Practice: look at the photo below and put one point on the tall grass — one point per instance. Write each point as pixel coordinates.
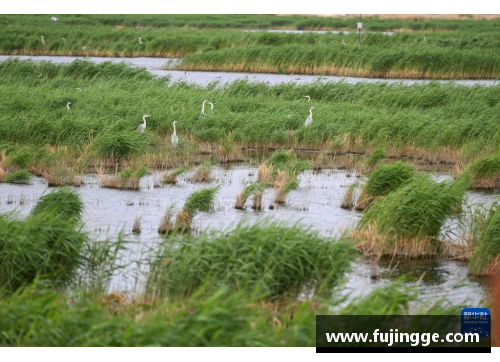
(267, 258)
(200, 200)
(64, 202)
(485, 172)
(470, 51)
(384, 179)
(336, 59)
(486, 260)
(238, 21)
(17, 177)
(433, 122)
(44, 245)
(408, 220)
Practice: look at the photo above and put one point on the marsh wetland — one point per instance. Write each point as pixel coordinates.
(239, 220)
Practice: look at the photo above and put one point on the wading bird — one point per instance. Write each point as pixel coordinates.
(43, 40)
(142, 126)
(175, 139)
(64, 40)
(54, 18)
(68, 106)
(203, 107)
(140, 41)
(308, 98)
(310, 118)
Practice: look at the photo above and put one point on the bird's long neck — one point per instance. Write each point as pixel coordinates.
(175, 132)
(311, 113)
(144, 120)
(203, 108)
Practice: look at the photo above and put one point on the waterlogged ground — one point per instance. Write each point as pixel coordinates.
(162, 67)
(316, 203)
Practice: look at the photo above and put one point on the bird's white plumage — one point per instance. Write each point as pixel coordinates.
(175, 139)
(140, 41)
(203, 107)
(43, 40)
(54, 18)
(308, 98)
(142, 126)
(68, 106)
(310, 118)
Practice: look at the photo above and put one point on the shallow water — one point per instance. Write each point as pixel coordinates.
(316, 204)
(160, 67)
(317, 31)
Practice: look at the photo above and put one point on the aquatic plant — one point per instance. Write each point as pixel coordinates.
(384, 179)
(63, 202)
(118, 144)
(376, 156)
(200, 200)
(252, 189)
(486, 257)
(21, 157)
(407, 221)
(203, 172)
(406, 119)
(45, 245)
(267, 258)
(222, 318)
(467, 50)
(349, 194)
(17, 177)
(128, 178)
(484, 172)
(136, 228)
(171, 178)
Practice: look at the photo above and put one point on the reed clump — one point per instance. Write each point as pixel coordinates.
(61, 176)
(384, 179)
(348, 201)
(407, 221)
(254, 189)
(171, 178)
(203, 172)
(64, 202)
(484, 173)
(17, 177)
(266, 258)
(485, 260)
(45, 245)
(376, 157)
(201, 200)
(128, 179)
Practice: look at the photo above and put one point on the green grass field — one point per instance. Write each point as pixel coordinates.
(467, 49)
(434, 122)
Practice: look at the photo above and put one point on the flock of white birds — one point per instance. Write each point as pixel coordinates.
(175, 139)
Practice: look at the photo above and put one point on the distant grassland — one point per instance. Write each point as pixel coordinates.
(298, 22)
(470, 49)
(440, 122)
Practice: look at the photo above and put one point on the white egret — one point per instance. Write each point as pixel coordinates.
(43, 40)
(203, 107)
(308, 98)
(68, 106)
(142, 126)
(175, 139)
(54, 18)
(140, 41)
(64, 40)
(310, 118)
